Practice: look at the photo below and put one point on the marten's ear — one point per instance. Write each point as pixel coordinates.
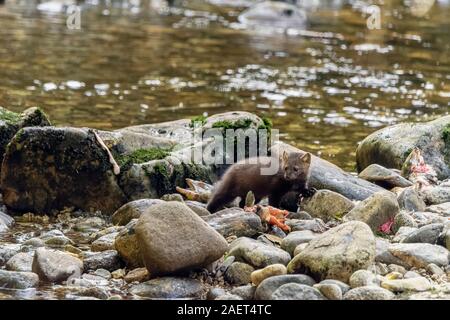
(285, 157)
(306, 158)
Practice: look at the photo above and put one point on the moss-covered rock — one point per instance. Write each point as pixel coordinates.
(391, 146)
(124, 142)
(11, 123)
(156, 178)
(47, 168)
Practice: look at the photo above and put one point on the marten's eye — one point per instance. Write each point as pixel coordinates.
(285, 168)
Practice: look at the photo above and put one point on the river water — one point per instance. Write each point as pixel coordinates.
(326, 86)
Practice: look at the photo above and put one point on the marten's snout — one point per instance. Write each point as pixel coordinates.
(293, 173)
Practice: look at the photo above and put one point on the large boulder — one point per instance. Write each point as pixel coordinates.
(325, 175)
(337, 253)
(391, 146)
(172, 238)
(47, 168)
(375, 210)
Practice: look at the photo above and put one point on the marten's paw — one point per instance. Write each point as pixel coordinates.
(308, 193)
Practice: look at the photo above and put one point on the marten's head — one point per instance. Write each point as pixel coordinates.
(296, 166)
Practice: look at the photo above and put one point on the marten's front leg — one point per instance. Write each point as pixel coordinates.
(274, 200)
(308, 192)
(305, 191)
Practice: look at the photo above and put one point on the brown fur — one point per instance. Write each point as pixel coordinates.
(243, 177)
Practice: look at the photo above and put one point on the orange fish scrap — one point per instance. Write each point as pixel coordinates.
(273, 216)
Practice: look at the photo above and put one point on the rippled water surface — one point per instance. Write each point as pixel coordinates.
(326, 86)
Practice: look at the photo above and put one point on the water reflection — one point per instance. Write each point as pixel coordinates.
(326, 85)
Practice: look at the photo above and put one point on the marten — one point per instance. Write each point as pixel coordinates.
(245, 175)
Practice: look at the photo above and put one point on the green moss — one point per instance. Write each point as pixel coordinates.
(165, 177)
(19, 135)
(268, 125)
(198, 119)
(9, 116)
(143, 155)
(195, 172)
(239, 124)
(18, 140)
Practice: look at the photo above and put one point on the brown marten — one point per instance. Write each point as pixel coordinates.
(245, 176)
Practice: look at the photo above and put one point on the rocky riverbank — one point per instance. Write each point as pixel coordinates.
(91, 214)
